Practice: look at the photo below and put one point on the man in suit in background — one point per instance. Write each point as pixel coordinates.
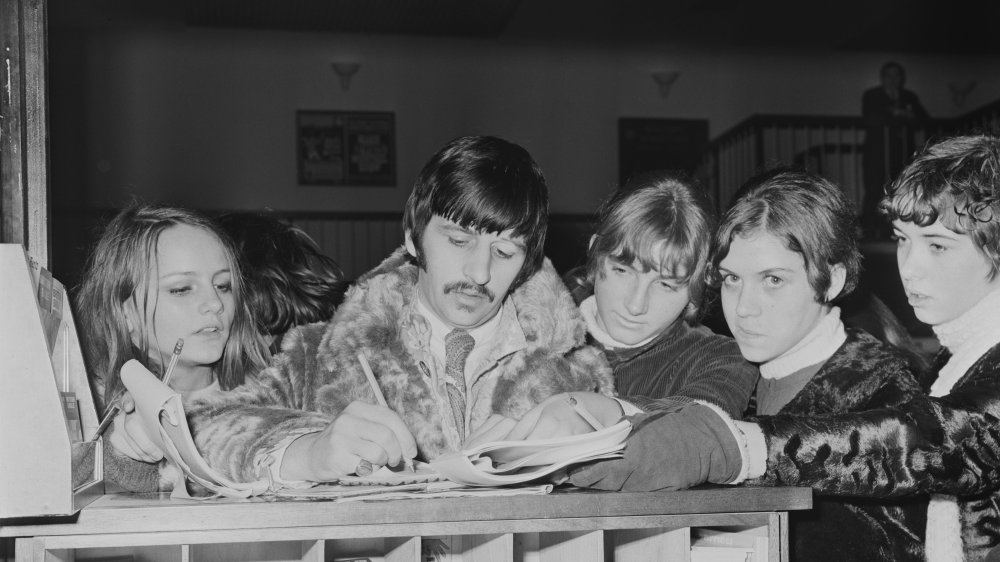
(891, 113)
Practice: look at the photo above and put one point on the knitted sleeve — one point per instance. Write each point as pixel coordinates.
(698, 365)
(128, 473)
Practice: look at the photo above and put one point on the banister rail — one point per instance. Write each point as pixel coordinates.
(831, 146)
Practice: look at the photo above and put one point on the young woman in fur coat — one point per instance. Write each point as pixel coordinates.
(783, 254)
(945, 210)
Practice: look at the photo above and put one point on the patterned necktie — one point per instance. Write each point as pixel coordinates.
(457, 346)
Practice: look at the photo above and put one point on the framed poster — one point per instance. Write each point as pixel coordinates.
(346, 148)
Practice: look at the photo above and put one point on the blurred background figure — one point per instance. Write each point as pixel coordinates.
(289, 280)
(890, 112)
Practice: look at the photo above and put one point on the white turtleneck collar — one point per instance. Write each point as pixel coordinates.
(817, 346)
(967, 337)
(588, 309)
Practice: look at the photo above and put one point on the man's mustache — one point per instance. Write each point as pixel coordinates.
(465, 286)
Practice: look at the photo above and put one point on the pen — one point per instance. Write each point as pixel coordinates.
(108, 417)
(116, 407)
(173, 360)
(365, 466)
(586, 415)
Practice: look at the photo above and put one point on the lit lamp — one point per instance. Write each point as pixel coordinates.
(960, 90)
(346, 71)
(665, 80)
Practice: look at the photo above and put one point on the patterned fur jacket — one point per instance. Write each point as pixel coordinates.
(948, 445)
(862, 375)
(318, 374)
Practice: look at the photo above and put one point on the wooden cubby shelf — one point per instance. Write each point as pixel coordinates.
(567, 525)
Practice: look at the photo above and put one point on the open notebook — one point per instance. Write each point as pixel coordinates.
(493, 464)
(513, 462)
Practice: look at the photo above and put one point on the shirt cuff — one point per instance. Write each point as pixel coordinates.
(628, 408)
(742, 441)
(756, 448)
(268, 464)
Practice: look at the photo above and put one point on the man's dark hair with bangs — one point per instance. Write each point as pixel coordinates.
(486, 184)
(809, 214)
(957, 181)
(661, 221)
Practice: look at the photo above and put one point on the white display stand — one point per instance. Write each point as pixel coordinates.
(41, 445)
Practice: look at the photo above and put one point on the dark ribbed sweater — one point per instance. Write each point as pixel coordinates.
(684, 364)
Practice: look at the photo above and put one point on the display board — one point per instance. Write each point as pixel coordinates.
(47, 410)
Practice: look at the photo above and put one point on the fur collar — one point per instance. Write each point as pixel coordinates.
(379, 319)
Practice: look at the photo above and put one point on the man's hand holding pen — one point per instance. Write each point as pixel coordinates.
(362, 432)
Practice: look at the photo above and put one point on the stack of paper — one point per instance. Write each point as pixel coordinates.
(513, 462)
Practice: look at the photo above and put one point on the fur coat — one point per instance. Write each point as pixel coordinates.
(863, 374)
(318, 374)
(948, 445)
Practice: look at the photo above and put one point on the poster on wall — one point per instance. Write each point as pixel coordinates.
(346, 148)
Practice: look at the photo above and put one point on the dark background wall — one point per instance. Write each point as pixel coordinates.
(194, 103)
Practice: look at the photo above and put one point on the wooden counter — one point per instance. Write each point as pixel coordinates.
(571, 525)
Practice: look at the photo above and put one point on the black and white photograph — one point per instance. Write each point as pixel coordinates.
(504, 280)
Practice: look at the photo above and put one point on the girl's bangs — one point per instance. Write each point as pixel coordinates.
(676, 259)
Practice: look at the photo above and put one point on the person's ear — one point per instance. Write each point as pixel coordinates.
(838, 277)
(132, 320)
(408, 242)
(590, 245)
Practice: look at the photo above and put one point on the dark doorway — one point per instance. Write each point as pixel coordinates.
(659, 144)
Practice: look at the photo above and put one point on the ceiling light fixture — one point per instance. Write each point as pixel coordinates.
(665, 80)
(346, 70)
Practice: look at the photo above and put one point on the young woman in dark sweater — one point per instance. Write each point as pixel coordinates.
(640, 295)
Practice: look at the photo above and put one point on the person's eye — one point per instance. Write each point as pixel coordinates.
(937, 248)
(619, 269)
(180, 291)
(774, 281)
(730, 280)
(503, 254)
(668, 286)
(224, 287)
(458, 241)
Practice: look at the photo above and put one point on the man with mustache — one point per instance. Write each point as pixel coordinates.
(465, 322)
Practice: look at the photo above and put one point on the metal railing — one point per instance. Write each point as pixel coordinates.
(829, 146)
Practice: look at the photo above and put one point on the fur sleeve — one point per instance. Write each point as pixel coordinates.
(941, 445)
(543, 374)
(231, 428)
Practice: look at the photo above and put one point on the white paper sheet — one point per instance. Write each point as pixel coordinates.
(162, 415)
(513, 462)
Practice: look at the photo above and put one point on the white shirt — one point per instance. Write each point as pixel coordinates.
(483, 334)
